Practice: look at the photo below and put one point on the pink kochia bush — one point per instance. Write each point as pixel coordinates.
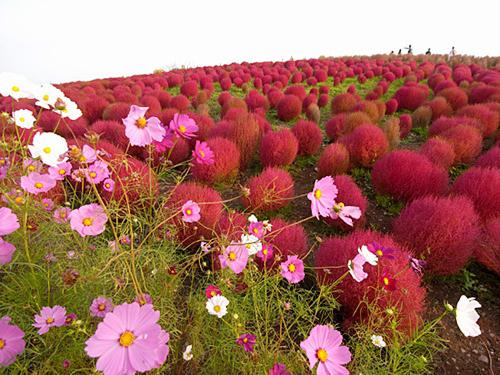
(407, 175)
(344, 103)
(365, 144)
(489, 159)
(482, 113)
(407, 298)
(278, 148)
(333, 161)
(487, 251)
(411, 96)
(482, 186)
(226, 162)
(210, 204)
(441, 231)
(289, 107)
(287, 239)
(270, 190)
(309, 137)
(439, 152)
(466, 142)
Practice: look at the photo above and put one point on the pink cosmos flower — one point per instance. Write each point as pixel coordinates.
(184, 126)
(50, 317)
(97, 172)
(247, 341)
(256, 228)
(381, 251)
(141, 131)
(6, 251)
(417, 265)
(3, 172)
(89, 155)
(235, 257)
(323, 197)
(212, 291)
(279, 369)
(108, 185)
(293, 269)
(266, 253)
(78, 174)
(167, 142)
(11, 342)
(61, 215)
(36, 183)
(323, 346)
(345, 213)
(144, 299)
(88, 220)
(8, 221)
(355, 267)
(61, 171)
(70, 318)
(47, 204)
(129, 340)
(190, 212)
(388, 282)
(100, 306)
(202, 154)
(32, 165)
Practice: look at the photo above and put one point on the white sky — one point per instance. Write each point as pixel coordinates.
(63, 40)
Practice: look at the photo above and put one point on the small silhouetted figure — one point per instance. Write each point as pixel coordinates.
(452, 53)
(428, 51)
(399, 52)
(392, 53)
(410, 50)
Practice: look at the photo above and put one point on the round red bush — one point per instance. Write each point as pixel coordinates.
(287, 239)
(189, 89)
(391, 106)
(112, 131)
(407, 175)
(309, 136)
(487, 251)
(180, 102)
(411, 97)
(335, 126)
(455, 96)
(232, 225)
(333, 161)
(365, 144)
(289, 107)
(278, 148)
(439, 107)
(440, 230)
(226, 162)
(343, 103)
(439, 152)
(489, 159)
(466, 142)
(445, 123)
(298, 90)
(116, 111)
(481, 112)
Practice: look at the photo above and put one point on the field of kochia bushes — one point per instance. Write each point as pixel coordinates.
(226, 219)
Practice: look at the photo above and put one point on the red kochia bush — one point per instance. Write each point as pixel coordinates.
(333, 161)
(466, 142)
(481, 112)
(289, 107)
(309, 137)
(487, 251)
(270, 190)
(343, 103)
(180, 102)
(489, 159)
(407, 175)
(116, 111)
(112, 131)
(405, 125)
(226, 162)
(365, 144)
(189, 89)
(278, 148)
(455, 96)
(298, 90)
(232, 225)
(445, 123)
(335, 126)
(439, 107)
(93, 107)
(439, 152)
(411, 97)
(69, 129)
(482, 186)
(407, 299)
(210, 204)
(287, 239)
(442, 231)
(391, 106)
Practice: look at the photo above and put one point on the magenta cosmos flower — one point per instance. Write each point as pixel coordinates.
(266, 253)
(202, 154)
(129, 340)
(184, 126)
(381, 251)
(387, 281)
(88, 220)
(61, 215)
(6, 251)
(234, 257)
(190, 212)
(256, 228)
(247, 341)
(212, 291)
(100, 306)
(59, 172)
(144, 299)
(323, 197)
(50, 317)
(293, 269)
(323, 346)
(11, 342)
(8, 221)
(279, 369)
(36, 183)
(345, 213)
(141, 131)
(108, 185)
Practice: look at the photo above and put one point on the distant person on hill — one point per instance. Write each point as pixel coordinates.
(392, 53)
(452, 53)
(428, 51)
(410, 49)
(399, 52)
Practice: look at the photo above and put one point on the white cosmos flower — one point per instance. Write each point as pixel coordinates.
(50, 147)
(267, 225)
(67, 108)
(252, 218)
(217, 305)
(47, 95)
(252, 243)
(467, 316)
(16, 86)
(188, 354)
(368, 255)
(24, 118)
(378, 341)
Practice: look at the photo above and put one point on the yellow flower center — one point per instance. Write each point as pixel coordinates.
(386, 280)
(87, 221)
(49, 320)
(202, 154)
(93, 174)
(15, 88)
(47, 150)
(245, 340)
(338, 207)
(182, 128)
(322, 355)
(212, 293)
(188, 211)
(107, 185)
(264, 251)
(141, 122)
(83, 159)
(232, 256)
(2, 162)
(38, 185)
(62, 214)
(318, 194)
(217, 308)
(379, 252)
(45, 97)
(101, 307)
(2, 344)
(126, 339)
(31, 168)
(291, 267)
(19, 200)
(62, 172)
(255, 230)
(21, 119)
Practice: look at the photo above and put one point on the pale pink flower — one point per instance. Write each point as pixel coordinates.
(11, 342)
(190, 212)
(355, 267)
(8, 221)
(36, 183)
(88, 220)
(97, 172)
(184, 126)
(89, 155)
(345, 213)
(235, 257)
(59, 172)
(50, 317)
(323, 197)
(100, 306)
(61, 215)
(108, 185)
(6, 252)
(293, 269)
(47, 204)
(202, 154)
(141, 131)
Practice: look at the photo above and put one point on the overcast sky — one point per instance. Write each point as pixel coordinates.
(65, 40)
